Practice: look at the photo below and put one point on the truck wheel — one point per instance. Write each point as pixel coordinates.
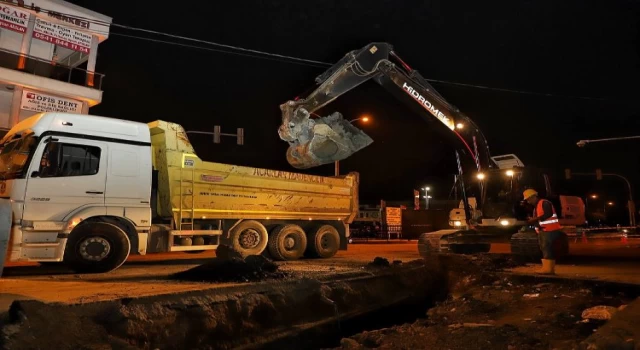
(323, 242)
(287, 242)
(249, 238)
(96, 247)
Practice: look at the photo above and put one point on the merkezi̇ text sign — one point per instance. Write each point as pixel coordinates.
(39, 102)
(60, 35)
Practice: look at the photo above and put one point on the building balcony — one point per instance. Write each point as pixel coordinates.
(47, 69)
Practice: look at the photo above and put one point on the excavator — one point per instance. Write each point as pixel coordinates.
(324, 140)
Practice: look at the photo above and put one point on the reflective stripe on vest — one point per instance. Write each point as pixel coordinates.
(550, 224)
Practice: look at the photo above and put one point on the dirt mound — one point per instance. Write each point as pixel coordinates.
(292, 314)
(233, 269)
(379, 262)
(226, 252)
(491, 311)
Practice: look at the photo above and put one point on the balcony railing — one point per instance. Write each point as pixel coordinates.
(43, 68)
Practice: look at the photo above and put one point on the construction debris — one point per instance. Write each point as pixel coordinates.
(600, 312)
(488, 310)
(315, 142)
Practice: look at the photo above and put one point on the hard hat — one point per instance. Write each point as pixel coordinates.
(528, 193)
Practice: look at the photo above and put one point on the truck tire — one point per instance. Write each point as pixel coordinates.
(323, 242)
(96, 247)
(287, 242)
(249, 238)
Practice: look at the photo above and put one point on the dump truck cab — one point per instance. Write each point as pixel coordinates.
(61, 169)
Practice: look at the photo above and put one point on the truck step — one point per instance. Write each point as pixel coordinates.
(195, 232)
(178, 248)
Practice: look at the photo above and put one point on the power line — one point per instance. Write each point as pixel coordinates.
(216, 50)
(319, 64)
(238, 48)
(258, 54)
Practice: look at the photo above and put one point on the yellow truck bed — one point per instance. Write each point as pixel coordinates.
(190, 187)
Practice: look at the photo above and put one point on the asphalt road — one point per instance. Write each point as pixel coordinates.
(148, 275)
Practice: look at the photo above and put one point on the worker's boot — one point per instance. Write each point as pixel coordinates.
(548, 267)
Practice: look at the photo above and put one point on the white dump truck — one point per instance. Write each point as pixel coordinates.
(88, 191)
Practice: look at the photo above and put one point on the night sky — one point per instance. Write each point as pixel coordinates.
(567, 48)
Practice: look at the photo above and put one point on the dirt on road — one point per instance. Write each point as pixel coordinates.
(149, 275)
(487, 309)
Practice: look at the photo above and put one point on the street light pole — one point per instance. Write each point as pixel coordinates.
(583, 143)
(426, 196)
(336, 164)
(630, 203)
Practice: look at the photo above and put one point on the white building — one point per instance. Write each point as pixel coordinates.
(42, 45)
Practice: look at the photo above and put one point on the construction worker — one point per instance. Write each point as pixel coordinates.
(547, 226)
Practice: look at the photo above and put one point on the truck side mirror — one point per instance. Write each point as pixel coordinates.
(35, 174)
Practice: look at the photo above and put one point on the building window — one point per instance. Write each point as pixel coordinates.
(62, 159)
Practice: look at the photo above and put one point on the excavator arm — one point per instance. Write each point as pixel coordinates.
(314, 142)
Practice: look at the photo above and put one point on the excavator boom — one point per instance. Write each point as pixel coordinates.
(314, 142)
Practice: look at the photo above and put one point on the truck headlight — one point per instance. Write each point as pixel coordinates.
(504, 222)
(457, 223)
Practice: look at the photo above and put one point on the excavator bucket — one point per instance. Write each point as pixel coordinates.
(319, 141)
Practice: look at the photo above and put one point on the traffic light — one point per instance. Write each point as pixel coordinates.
(599, 174)
(567, 174)
(216, 134)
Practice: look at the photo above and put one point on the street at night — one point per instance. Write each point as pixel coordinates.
(319, 175)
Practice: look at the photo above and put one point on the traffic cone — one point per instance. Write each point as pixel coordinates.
(584, 237)
(624, 239)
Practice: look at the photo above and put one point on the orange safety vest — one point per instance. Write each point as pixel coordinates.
(552, 223)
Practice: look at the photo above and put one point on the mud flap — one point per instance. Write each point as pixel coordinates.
(315, 142)
(5, 230)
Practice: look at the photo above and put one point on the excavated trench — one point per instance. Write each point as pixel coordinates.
(288, 313)
(470, 304)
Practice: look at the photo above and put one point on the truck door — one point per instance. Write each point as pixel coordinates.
(66, 174)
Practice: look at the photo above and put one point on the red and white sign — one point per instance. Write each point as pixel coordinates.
(62, 36)
(39, 102)
(13, 18)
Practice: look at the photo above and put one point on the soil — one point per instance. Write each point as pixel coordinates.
(477, 306)
(229, 266)
(243, 316)
(487, 310)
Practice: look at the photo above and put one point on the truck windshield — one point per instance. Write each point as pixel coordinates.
(14, 154)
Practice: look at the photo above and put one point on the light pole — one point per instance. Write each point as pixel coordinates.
(426, 196)
(586, 202)
(365, 119)
(607, 204)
